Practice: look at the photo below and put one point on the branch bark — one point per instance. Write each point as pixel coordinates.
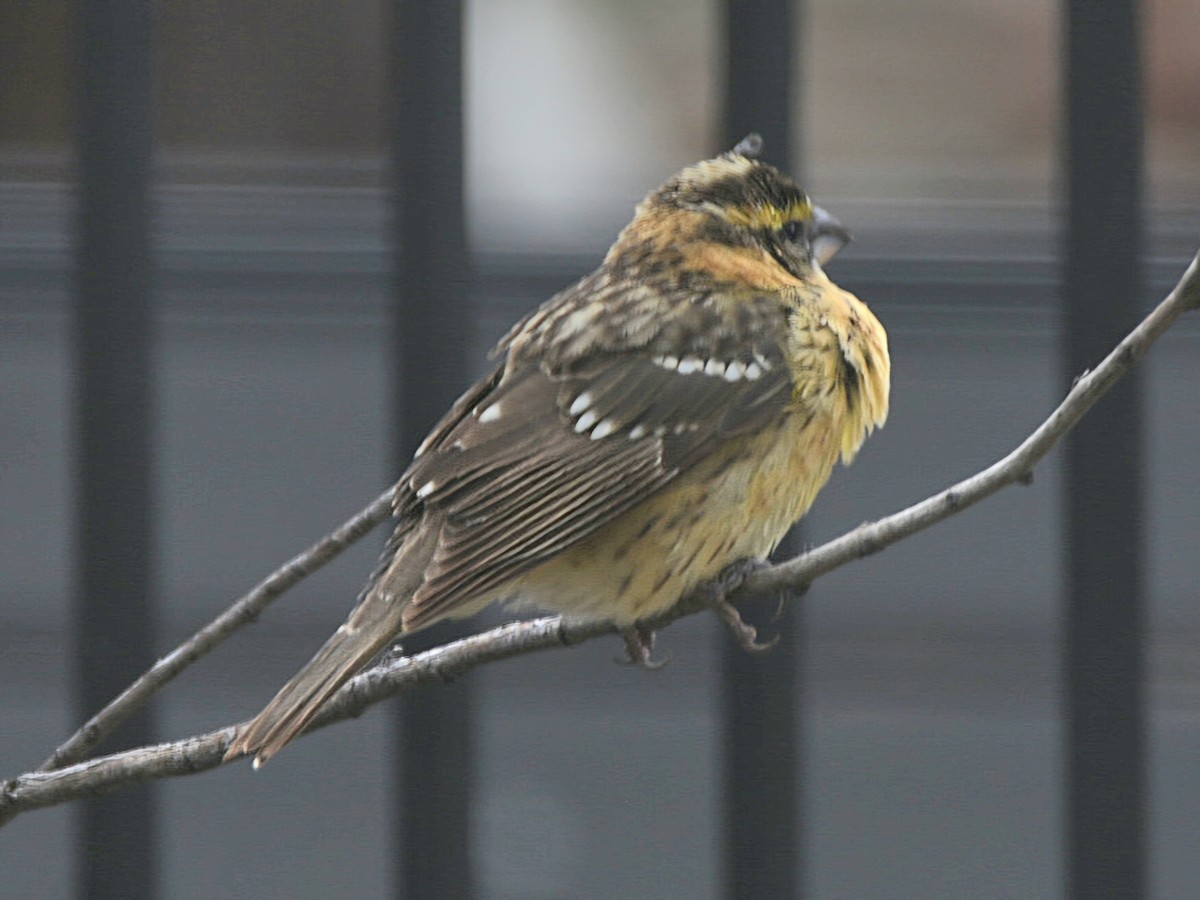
(195, 754)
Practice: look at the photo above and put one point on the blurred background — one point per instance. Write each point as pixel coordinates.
(928, 686)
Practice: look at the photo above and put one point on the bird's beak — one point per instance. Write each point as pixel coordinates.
(826, 236)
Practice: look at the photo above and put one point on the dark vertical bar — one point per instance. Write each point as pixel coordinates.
(761, 758)
(114, 615)
(432, 331)
(1104, 523)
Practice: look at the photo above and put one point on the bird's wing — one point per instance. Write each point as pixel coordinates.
(533, 461)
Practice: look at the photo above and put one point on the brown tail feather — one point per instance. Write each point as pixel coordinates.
(372, 625)
(287, 715)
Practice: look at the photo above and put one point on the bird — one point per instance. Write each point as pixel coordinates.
(654, 428)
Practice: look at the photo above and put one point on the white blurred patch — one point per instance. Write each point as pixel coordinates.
(575, 109)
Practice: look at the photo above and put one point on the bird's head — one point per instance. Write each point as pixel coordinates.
(735, 214)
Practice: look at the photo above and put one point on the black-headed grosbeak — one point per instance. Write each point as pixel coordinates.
(673, 413)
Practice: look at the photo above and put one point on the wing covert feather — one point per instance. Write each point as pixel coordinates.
(541, 460)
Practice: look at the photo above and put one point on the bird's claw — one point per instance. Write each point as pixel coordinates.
(732, 578)
(639, 648)
(786, 596)
(745, 634)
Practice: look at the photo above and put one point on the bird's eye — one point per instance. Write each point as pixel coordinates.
(794, 230)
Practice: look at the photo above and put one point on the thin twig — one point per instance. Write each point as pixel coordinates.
(243, 611)
(195, 754)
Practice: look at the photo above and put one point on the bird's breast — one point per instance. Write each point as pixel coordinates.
(739, 503)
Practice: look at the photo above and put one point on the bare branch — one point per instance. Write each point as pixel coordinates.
(872, 537)
(195, 754)
(243, 611)
(35, 790)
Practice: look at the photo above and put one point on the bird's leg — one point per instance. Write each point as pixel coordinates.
(639, 647)
(718, 590)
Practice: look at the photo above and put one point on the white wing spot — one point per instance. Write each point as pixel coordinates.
(426, 490)
(753, 372)
(667, 362)
(637, 432)
(604, 429)
(660, 430)
(734, 371)
(715, 368)
(690, 364)
(585, 422)
(491, 414)
(763, 362)
(582, 402)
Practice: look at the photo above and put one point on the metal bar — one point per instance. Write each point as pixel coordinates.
(432, 319)
(1104, 513)
(760, 716)
(117, 851)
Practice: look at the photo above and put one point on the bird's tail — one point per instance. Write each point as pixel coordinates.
(298, 701)
(374, 623)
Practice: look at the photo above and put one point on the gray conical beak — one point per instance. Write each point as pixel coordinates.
(826, 236)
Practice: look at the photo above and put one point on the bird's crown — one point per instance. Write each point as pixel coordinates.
(740, 188)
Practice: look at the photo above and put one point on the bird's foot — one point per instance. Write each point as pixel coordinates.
(718, 591)
(639, 648)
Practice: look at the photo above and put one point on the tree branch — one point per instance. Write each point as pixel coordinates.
(46, 788)
(243, 611)
(1016, 466)
(38, 789)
